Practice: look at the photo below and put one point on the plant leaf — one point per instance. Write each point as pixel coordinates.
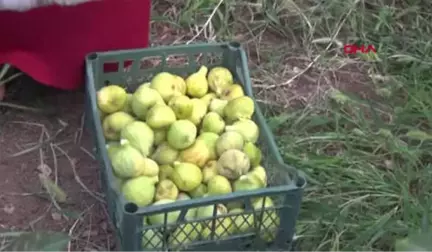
(419, 242)
(39, 241)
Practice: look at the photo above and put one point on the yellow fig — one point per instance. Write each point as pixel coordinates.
(180, 84)
(218, 185)
(231, 92)
(210, 139)
(111, 98)
(219, 78)
(160, 116)
(209, 170)
(239, 108)
(198, 112)
(114, 123)
(196, 83)
(233, 163)
(186, 176)
(166, 84)
(197, 154)
(218, 106)
(208, 97)
(182, 106)
(166, 189)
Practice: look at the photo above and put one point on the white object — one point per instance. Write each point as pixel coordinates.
(25, 5)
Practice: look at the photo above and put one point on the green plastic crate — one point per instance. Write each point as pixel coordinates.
(285, 185)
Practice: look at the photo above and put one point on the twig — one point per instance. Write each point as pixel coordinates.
(308, 67)
(206, 23)
(25, 108)
(75, 224)
(40, 145)
(10, 78)
(77, 178)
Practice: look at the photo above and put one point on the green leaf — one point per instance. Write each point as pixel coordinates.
(419, 242)
(39, 241)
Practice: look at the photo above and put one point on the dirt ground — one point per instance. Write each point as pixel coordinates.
(31, 143)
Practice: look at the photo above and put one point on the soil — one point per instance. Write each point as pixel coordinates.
(24, 203)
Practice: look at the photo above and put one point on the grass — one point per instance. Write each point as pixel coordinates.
(357, 126)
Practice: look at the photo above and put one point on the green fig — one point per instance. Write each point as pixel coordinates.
(253, 152)
(139, 135)
(219, 78)
(183, 235)
(248, 182)
(239, 108)
(233, 163)
(229, 140)
(270, 221)
(143, 99)
(212, 122)
(114, 123)
(242, 222)
(160, 116)
(199, 191)
(160, 135)
(111, 98)
(140, 190)
(112, 148)
(165, 154)
(196, 83)
(247, 128)
(181, 134)
(128, 104)
(165, 171)
(152, 240)
(182, 106)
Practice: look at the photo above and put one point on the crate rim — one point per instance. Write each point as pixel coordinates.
(297, 184)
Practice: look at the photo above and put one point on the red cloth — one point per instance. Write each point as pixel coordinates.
(50, 43)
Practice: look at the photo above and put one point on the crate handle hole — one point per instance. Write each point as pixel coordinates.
(234, 45)
(92, 56)
(131, 208)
